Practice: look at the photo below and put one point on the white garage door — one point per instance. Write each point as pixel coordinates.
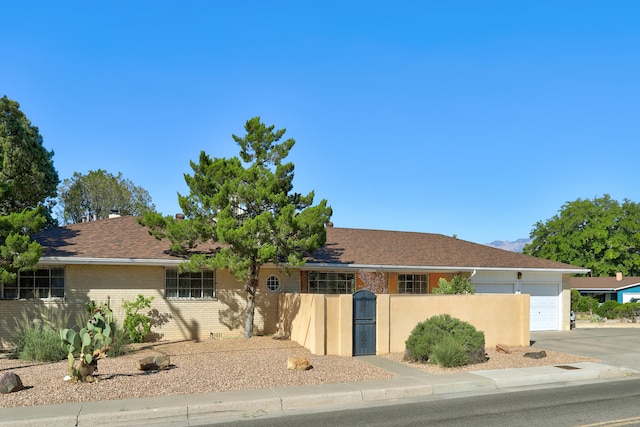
(545, 300)
(494, 288)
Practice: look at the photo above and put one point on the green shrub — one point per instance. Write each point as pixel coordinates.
(120, 343)
(457, 285)
(419, 345)
(449, 352)
(38, 340)
(607, 309)
(595, 318)
(575, 297)
(587, 304)
(628, 310)
(137, 325)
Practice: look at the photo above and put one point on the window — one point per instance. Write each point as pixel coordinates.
(331, 283)
(273, 283)
(413, 284)
(41, 283)
(201, 284)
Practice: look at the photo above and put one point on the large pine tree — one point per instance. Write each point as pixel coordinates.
(28, 181)
(246, 204)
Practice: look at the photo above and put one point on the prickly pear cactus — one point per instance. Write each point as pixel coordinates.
(89, 344)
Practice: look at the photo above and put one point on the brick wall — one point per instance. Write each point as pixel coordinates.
(175, 319)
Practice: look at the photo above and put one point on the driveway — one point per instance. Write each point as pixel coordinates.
(614, 346)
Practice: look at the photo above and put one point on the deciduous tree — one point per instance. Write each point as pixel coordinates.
(98, 193)
(601, 234)
(246, 204)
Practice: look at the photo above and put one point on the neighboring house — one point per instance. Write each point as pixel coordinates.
(618, 288)
(117, 259)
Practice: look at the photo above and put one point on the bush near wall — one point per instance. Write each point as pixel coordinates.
(445, 335)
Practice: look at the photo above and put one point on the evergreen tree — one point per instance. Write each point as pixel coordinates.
(246, 205)
(28, 181)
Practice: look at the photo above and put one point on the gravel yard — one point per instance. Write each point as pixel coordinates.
(218, 365)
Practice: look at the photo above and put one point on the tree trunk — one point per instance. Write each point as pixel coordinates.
(251, 286)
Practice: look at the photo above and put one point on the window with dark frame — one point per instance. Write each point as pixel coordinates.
(413, 283)
(200, 284)
(43, 283)
(331, 283)
(273, 283)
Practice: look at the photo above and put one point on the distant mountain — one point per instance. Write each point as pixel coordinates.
(509, 246)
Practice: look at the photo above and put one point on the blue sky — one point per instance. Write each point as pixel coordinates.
(473, 118)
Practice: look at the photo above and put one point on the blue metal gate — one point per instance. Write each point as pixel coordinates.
(364, 323)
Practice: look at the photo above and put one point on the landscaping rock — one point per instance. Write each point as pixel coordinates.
(154, 363)
(503, 348)
(536, 354)
(10, 382)
(298, 364)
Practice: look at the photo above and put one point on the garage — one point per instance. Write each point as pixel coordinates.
(494, 288)
(545, 303)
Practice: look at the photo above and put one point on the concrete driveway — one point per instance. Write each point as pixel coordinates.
(614, 346)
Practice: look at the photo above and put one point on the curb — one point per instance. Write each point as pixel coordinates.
(226, 406)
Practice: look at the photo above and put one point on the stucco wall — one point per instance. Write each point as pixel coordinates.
(323, 323)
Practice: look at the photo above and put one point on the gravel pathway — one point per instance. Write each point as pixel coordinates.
(215, 366)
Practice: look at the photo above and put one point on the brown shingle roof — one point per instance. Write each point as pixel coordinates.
(124, 239)
(398, 248)
(114, 238)
(603, 283)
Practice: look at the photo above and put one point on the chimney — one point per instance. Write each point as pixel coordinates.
(179, 217)
(618, 276)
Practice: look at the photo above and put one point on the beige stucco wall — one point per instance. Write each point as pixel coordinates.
(323, 323)
(175, 319)
(503, 318)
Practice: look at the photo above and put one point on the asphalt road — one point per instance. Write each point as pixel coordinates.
(605, 404)
(614, 346)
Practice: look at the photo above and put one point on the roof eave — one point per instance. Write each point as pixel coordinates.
(334, 266)
(108, 261)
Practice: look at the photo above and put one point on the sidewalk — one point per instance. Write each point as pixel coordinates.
(189, 410)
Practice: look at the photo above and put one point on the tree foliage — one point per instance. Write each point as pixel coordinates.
(28, 181)
(98, 193)
(27, 176)
(246, 204)
(601, 234)
(17, 250)
(457, 285)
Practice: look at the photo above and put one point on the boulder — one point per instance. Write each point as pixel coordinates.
(10, 382)
(503, 348)
(298, 364)
(536, 354)
(154, 363)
